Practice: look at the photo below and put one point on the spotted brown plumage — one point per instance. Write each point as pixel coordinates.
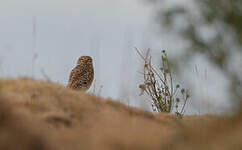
(82, 75)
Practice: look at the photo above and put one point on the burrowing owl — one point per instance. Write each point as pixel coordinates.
(82, 75)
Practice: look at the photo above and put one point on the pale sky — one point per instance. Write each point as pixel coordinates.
(107, 30)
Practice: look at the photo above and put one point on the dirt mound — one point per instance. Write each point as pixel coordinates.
(41, 115)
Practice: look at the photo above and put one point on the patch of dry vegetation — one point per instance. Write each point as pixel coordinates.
(159, 86)
(18, 132)
(49, 116)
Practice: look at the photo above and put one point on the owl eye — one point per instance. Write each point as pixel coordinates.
(84, 82)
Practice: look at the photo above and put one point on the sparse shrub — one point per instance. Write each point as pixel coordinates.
(160, 87)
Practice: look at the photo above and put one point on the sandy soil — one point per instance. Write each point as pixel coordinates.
(39, 115)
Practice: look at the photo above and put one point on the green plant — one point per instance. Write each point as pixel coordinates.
(160, 87)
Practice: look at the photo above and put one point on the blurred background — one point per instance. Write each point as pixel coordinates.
(203, 38)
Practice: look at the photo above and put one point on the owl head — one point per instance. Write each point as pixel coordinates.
(85, 60)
